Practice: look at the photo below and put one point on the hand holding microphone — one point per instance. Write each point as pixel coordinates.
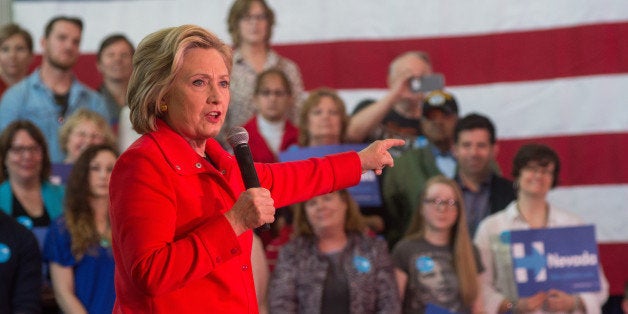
(254, 197)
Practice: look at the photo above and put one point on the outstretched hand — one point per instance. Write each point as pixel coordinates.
(376, 156)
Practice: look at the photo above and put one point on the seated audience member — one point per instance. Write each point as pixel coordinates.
(20, 268)
(16, 55)
(403, 184)
(115, 64)
(250, 24)
(270, 131)
(535, 171)
(436, 263)
(484, 191)
(52, 92)
(398, 113)
(26, 194)
(331, 266)
(84, 128)
(78, 245)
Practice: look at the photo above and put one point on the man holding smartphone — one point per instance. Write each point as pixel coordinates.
(398, 113)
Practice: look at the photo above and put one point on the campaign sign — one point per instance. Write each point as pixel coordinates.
(366, 193)
(435, 309)
(559, 258)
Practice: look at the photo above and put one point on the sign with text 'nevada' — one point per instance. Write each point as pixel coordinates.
(555, 258)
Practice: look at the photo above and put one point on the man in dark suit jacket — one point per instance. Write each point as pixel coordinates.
(484, 190)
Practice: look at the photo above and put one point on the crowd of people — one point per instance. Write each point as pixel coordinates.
(136, 181)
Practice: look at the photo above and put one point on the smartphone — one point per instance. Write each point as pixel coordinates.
(426, 83)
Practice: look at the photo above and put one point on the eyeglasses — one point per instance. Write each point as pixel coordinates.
(21, 150)
(437, 203)
(255, 17)
(277, 92)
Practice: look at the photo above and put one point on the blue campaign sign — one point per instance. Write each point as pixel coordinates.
(435, 309)
(366, 193)
(554, 258)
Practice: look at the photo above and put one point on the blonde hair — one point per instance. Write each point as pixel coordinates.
(464, 259)
(79, 116)
(313, 99)
(156, 63)
(353, 222)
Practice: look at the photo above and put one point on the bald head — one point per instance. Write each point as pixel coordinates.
(417, 62)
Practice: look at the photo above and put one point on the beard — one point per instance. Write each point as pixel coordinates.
(65, 66)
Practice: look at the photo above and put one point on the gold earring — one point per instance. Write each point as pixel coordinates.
(163, 107)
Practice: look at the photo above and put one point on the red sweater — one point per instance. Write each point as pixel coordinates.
(173, 247)
(259, 148)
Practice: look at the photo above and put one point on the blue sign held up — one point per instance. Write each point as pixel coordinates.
(559, 258)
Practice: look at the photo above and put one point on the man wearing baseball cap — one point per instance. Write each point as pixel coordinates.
(403, 183)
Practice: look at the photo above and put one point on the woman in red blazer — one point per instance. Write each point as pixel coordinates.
(180, 215)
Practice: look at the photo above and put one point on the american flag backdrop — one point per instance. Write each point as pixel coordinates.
(547, 71)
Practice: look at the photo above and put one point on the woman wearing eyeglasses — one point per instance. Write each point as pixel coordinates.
(250, 24)
(436, 263)
(535, 171)
(25, 192)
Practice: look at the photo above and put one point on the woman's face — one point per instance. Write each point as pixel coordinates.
(272, 100)
(116, 62)
(199, 98)
(254, 25)
(536, 180)
(325, 120)
(443, 216)
(15, 56)
(24, 158)
(85, 134)
(100, 172)
(328, 211)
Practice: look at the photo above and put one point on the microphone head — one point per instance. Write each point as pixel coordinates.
(237, 136)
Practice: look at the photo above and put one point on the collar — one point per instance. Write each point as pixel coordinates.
(183, 159)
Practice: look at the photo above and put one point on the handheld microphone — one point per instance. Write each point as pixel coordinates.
(238, 138)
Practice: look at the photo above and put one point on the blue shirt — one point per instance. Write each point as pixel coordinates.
(445, 162)
(93, 274)
(32, 100)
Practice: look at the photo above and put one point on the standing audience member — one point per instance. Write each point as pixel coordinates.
(52, 93)
(181, 217)
(250, 24)
(402, 185)
(78, 245)
(484, 191)
(26, 194)
(436, 262)
(322, 121)
(331, 266)
(84, 128)
(16, 55)
(115, 64)
(20, 268)
(535, 170)
(270, 131)
(398, 113)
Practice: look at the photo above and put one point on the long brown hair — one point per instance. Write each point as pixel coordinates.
(313, 99)
(464, 259)
(79, 214)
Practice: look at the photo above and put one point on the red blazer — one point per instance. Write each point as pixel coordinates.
(174, 249)
(259, 148)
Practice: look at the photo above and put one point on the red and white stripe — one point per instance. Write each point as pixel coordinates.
(554, 72)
